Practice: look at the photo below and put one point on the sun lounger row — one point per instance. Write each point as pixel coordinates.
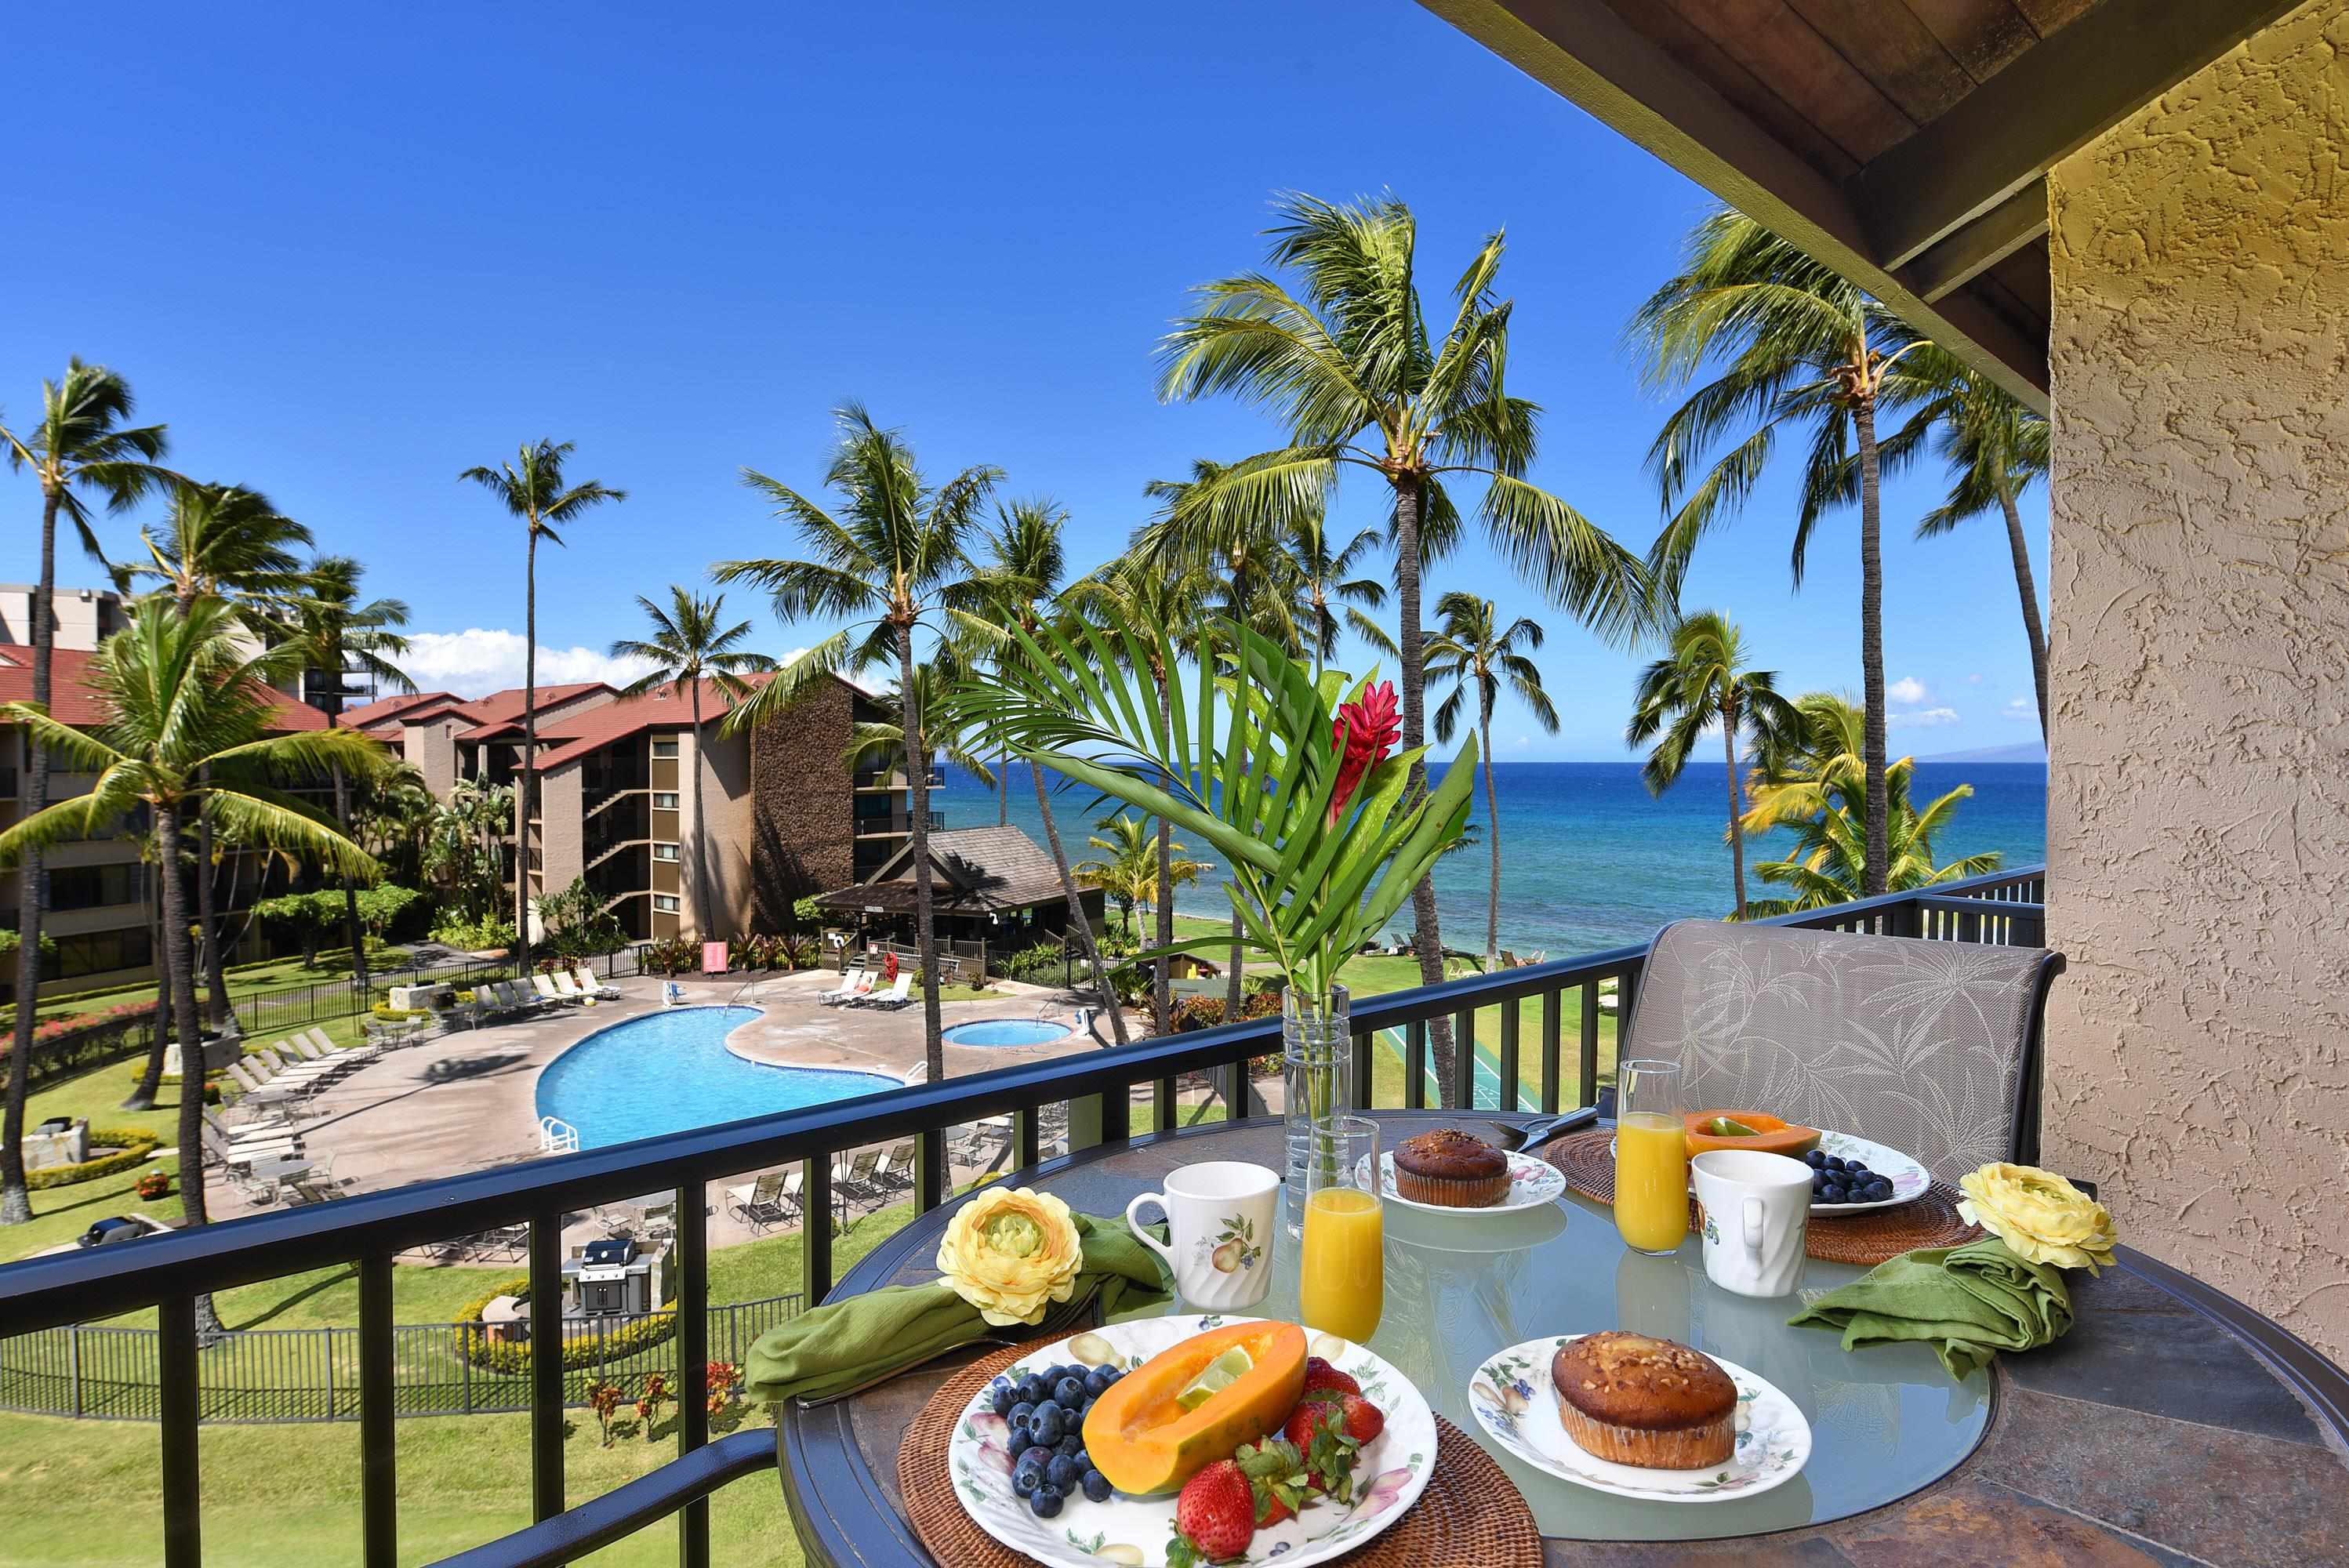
(870, 1176)
(513, 998)
(280, 1075)
(856, 990)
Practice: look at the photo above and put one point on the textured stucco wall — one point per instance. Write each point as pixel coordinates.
(2199, 800)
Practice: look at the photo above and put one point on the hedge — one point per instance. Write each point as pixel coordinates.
(580, 1351)
(133, 1145)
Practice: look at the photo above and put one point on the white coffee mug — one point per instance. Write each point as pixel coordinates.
(1756, 1209)
(1219, 1221)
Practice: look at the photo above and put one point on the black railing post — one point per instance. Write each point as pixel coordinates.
(816, 1241)
(178, 1404)
(1414, 1064)
(547, 1364)
(693, 1358)
(379, 1457)
(1508, 1058)
(1117, 1113)
(1587, 1067)
(1364, 1084)
(1463, 1059)
(930, 1174)
(1027, 1137)
(1550, 1067)
(1162, 1105)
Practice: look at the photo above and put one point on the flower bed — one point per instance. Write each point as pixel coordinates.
(579, 1350)
(132, 1147)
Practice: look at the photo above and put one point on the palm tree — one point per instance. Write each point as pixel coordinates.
(1351, 371)
(1471, 650)
(532, 488)
(81, 447)
(185, 736)
(890, 562)
(1704, 680)
(1025, 561)
(228, 542)
(342, 636)
(1127, 868)
(1811, 776)
(462, 840)
(1329, 592)
(1994, 449)
(1170, 590)
(690, 645)
(1800, 348)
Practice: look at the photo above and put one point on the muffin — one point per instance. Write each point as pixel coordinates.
(1653, 1403)
(1451, 1168)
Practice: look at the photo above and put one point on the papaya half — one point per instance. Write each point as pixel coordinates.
(1142, 1439)
(1764, 1131)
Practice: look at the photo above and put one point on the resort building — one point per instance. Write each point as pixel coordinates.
(103, 900)
(786, 815)
(990, 888)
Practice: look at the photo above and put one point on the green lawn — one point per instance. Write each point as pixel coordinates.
(260, 979)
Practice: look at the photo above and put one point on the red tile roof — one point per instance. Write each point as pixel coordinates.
(367, 716)
(502, 709)
(567, 737)
(72, 701)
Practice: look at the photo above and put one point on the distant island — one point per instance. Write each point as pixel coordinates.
(2028, 751)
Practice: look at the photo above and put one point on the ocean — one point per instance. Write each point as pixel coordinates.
(1589, 860)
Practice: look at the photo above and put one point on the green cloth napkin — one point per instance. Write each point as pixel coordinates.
(835, 1348)
(1967, 1302)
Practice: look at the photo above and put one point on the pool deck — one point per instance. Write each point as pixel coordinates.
(468, 1101)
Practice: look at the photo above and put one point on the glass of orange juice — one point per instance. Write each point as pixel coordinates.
(1341, 1269)
(1652, 1169)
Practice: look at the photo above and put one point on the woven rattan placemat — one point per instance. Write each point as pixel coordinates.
(1470, 1516)
(1587, 1161)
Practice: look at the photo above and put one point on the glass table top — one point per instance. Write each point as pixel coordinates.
(1885, 1420)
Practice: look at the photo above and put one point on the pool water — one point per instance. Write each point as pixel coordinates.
(670, 1072)
(1005, 1032)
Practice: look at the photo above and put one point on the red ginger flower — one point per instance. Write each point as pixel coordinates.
(1363, 734)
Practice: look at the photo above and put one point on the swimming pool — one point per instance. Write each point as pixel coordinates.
(1006, 1032)
(670, 1072)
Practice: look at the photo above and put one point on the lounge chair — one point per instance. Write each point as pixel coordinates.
(897, 996)
(857, 1182)
(895, 1171)
(564, 986)
(296, 1069)
(256, 1093)
(854, 982)
(760, 1204)
(315, 1039)
(308, 1190)
(230, 1156)
(268, 1130)
(547, 991)
(585, 978)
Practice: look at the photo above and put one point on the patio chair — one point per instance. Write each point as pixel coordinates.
(898, 995)
(264, 1130)
(547, 991)
(758, 1203)
(296, 1069)
(895, 1173)
(1932, 1048)
(855, 1184)
(585, 978)
(566, 987)
(309, 1190)
(219, 1150)
(254, 1092)
(854, 982)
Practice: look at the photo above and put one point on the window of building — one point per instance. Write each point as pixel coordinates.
(94, 887)
(665, 904)
(664, 851)
(663, 800)
(98, 952)
(664, 748)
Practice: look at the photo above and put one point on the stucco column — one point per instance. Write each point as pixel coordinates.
(2199, 786)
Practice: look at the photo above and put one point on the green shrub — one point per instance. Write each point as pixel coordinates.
(579, 1350)
(1042, 964)
(388, 1014)
(473, 935)
(1206, 1012)
(131, 1146)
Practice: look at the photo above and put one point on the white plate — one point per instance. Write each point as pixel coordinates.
(1909, 1178)
(1512, 1397)
(1532, 1183)
(1392, 1469)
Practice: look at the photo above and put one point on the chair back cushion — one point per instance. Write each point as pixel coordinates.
(1923, 1046)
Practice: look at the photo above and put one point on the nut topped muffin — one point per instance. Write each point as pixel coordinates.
(1451, 1168)
(1635, 1400)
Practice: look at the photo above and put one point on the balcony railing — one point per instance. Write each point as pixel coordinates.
(167, 1272)
(885, 824)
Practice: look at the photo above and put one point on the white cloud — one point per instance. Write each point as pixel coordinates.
(475, 661)
(1523, 741)
(1974, 679)
(1924, 719)
(1906, 689)
(2020, 708)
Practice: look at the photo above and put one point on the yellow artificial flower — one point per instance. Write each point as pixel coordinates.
(2041, 1216)
(1008, 1254)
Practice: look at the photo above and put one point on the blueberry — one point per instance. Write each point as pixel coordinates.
(1816, 1160)
(1854, 1168)
(1049, 1429)
(1022, 1411)
(1833, 1163)
(1070, 1446)
(1096, 1486)
(1045, 1501)
(1026, 1478)
(1098, 1380)
(1034, 1389)
(1036, 1453)
(1879, 1191)
(1003, 1402)
(1063, 1472)
(1070, 1392)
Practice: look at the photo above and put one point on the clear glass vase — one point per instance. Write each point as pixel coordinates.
(1317, 1080)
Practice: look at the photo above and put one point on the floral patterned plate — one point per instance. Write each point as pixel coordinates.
(1909, 1178)
(1512, 1398)
(1395, 1468)
(1532, 1183)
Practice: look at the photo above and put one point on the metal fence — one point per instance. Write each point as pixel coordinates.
(279, 1012)
(110, 1373)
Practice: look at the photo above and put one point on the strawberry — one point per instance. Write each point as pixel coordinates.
(1319, 1429)
(1364, 1421)
(1320, 1374)
(1214, 1518)
(1276, 1470)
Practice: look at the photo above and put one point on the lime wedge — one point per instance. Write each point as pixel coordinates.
(1218, 1375)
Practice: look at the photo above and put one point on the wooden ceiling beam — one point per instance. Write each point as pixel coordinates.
(1980, 245)
(1582, 50)
(1998, 142)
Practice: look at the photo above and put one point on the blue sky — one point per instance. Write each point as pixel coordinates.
(346, 252)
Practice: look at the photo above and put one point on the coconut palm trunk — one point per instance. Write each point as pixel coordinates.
(1492, 830)
(151, 1076)
(217, 1008)
(1428, 940)
(1736, 806)
(1162, 979)
(522, 802)
(917, 775)
(187, 1027)
(1871, 644)
(1069, 891)
(2029, 593)
(15, 1199)
(353, 932)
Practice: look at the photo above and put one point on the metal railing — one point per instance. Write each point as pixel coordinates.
(167, 1272)
(258, 1376)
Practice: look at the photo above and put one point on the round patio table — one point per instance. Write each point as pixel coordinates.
(2171, 1425)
